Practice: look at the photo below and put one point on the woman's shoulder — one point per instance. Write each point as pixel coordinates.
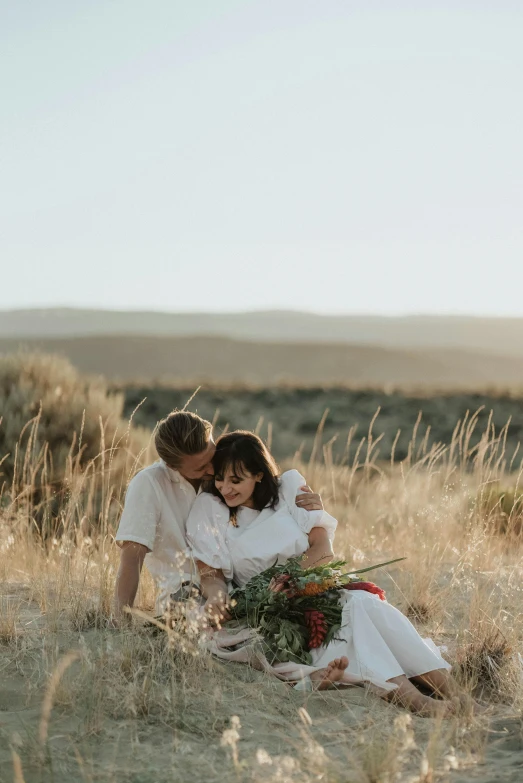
(291, 479)
(206, 500)
(207, 510)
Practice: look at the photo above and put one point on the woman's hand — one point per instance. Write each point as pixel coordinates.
(309, 500)
(320, 549)
(216, 609)
(214, 589)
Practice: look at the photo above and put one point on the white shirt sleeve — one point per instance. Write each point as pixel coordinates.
(206, 527)
(291, 481)
(141, 513)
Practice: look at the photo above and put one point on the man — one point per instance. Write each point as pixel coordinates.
(157, 506)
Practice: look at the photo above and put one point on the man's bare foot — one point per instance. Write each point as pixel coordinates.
(333, 673)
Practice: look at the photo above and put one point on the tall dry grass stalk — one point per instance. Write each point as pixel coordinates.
(143, 706)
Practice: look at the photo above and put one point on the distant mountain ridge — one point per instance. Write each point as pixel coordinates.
(501, 336)
(221, 360)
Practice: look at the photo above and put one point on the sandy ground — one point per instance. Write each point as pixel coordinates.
(352, 735)
(135, 750)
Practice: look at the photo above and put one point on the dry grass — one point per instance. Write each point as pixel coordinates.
(79, 701)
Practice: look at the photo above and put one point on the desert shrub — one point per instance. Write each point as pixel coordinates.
(295, 413)
(486, 663)
(54, 425)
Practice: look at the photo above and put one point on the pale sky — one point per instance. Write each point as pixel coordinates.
(327, 155)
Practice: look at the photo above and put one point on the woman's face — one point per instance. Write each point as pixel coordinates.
(237, 490)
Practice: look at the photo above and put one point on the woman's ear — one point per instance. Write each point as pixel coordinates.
(258, 477)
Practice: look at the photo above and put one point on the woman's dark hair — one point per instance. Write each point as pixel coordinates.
(242, 451)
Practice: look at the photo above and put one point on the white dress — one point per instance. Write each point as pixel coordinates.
(379, 641)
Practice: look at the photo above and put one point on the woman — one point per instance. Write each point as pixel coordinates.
(248, 520)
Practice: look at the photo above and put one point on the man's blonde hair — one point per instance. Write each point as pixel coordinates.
(181, 434)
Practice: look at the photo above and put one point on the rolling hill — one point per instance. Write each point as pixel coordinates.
(222, 360)
(503, 336)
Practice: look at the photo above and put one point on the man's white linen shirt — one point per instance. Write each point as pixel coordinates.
(157, 505)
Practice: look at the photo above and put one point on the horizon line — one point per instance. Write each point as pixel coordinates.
(261, 311)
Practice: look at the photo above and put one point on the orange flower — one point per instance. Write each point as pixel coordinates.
(315, 588)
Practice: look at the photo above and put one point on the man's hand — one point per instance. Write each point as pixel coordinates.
(309, 500)
(131, 561)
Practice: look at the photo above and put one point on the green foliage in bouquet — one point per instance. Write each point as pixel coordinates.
(295, 609)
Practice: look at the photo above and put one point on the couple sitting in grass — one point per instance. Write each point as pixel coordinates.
(218, 516)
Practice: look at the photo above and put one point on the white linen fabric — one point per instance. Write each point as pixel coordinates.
(379, 641)
(261, 537)
(157, 505)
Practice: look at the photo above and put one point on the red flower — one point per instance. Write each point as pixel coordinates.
(282, 584)
(317, 626)
(370, 587)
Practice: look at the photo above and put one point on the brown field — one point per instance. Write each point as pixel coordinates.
(80, 701)
(489, 335)
(223, 360)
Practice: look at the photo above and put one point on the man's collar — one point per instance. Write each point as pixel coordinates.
(177, 478)
(174, 475)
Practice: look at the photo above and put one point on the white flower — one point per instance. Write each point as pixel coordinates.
(262, 757)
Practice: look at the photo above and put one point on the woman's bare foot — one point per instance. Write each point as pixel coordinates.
(333, 673)
(407, 695)
(425, 706)
(435, 708)
(445, 687)
(468, 706)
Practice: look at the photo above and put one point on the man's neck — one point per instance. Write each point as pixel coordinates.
(194, 483)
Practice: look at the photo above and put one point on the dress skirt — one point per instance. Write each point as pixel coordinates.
(379, 641)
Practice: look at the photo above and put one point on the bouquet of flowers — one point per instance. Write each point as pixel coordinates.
(296, 609)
